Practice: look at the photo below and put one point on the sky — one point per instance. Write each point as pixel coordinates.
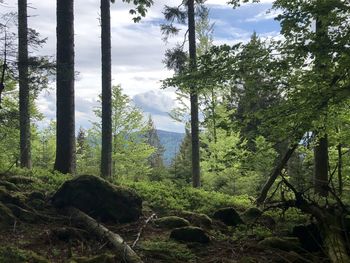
(137, 51)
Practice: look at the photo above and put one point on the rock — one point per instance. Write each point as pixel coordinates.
(6, 216)
(104, 258)
(309, 237)
(15, 255)
(200, 220)
(267, 221)
(279, 243)
(171, 222)
(251, 215)
(190, 234)
(228, 216)
(99, 199)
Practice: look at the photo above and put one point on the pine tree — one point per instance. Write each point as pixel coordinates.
(181, 166)
(156, 159)
(65, 143)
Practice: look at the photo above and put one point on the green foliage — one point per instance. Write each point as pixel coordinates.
(166, 196)
(170, 251)
(131, 151)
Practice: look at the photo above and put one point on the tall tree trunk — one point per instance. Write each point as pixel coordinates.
(340, 167)
(24, 100)
(106, 153)
(65, 138)
(321, 149)
(194, 96)
(321, 167)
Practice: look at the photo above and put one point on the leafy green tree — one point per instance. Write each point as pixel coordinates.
(130, 148)
(44, 146)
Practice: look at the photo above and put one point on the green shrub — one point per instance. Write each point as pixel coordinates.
(164, 197)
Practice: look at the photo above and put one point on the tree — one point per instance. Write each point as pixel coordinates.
(156, 159)
(24, 97)
(181, 167)
(176, 58)
(65, 143)
(106, 151)
(130, 148)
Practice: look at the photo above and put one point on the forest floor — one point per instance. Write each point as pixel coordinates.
(54, 238)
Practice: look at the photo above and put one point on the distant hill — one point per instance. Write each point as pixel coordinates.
(171, 142)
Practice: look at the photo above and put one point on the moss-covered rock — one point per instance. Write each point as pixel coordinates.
(15, 255)
(285, 244)
(171, 222)
(99, 199)
(7, 218)
(190, 234)
(228, 216)
(104, 258)
(200, 220)
(167, 251)
(251, 214)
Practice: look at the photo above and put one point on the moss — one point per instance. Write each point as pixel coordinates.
(105, 258)
(197, 219)
(15, 255)
(169, 251)
(171, 222)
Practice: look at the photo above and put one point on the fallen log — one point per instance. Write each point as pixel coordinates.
(122, 248)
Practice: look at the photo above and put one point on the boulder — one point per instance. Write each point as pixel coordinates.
(228, 216)
(190, 234)
(171, 222)
(267, 221)
(251, 215)
(200, 220)
(309, 237)
(281, 243)
(99, 199)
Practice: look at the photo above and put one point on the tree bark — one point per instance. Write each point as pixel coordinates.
(24, 97)
(122, 248)
(340, 167)
(106, 153)
(321, 167)
(276, 172)
(193, 96)
(65, 137)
